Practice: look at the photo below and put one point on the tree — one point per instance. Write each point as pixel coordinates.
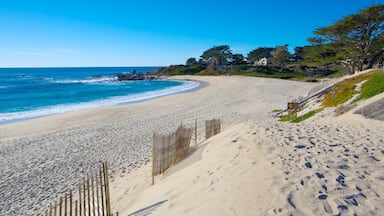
(259, 53)
(217, 58)
(191, 61)
(281, 56)
(237, 59)
(299, 53)
(323, 53)
(358, 36)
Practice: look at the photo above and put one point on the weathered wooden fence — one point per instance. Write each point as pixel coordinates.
(169, 149)
(173, 148)
(93, 198)
(212, 127)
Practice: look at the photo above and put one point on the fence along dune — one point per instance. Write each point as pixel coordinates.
(93, 192)
(212, 127)
(173, 148)
(93, 197)
(170, 149)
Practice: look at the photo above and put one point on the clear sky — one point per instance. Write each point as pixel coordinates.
(61, 33)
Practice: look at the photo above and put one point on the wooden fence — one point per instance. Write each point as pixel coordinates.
(169, 149)
(93, 198)
(212, 127)
(173, 148)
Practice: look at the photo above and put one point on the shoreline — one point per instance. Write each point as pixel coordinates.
(200, 85)
(43, 158)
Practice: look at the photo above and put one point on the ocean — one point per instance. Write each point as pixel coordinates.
(27, 93)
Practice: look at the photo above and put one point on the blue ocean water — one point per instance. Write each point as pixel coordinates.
(33, 92)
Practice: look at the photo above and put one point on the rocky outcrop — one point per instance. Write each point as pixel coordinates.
(134, 76)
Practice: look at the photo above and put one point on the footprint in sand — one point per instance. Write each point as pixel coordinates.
(290, 201)
(308, 165)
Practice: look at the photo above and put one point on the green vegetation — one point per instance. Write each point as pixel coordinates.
(343, 91)
(259, 53)
(286, 118)
(277, 110)
(354, 42)
(174, 70)
(281, 56)
(293, 118)
(374, 86)
(217, 58)
(262, 71)
(306, 116)
(357, 38)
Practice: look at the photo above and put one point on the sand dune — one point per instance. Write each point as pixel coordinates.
(270, 168)
(325, 165)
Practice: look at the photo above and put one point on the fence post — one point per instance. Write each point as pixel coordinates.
(89, 197)
(101, 191)
(93, 196)
(55, 208)
(108, 198)
(65, 205)
(153, 157)
(195, 132)
(80, 200)
(70, 202)
(76, 208)
(97, 194)
(84, 199)
(60, 206)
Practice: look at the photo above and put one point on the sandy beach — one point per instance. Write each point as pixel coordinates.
(42, 158)
(256, 166)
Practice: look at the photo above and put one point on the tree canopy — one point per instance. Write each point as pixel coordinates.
(237, 59)
(281, 56)
(191, 61)
(261, 52)
(217, 58)
(358, 36)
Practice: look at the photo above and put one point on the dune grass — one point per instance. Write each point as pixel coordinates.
(344, 90)
(287, 118)
(306, 115)
(293, 118)
(374, 86)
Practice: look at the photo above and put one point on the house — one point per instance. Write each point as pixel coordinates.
(261, 62)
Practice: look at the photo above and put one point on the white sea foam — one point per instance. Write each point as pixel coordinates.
(90, 80)
(17, 116)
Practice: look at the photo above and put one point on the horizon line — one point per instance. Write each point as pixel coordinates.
(21, 67)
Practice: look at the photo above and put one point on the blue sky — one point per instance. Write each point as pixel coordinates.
(62, 33)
